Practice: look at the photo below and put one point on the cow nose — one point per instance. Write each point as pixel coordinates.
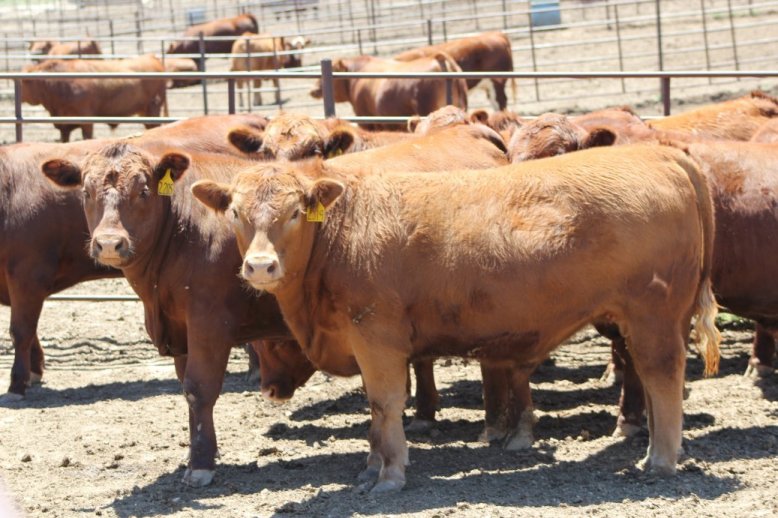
(260, 267)
(269, 392)
(111, 244)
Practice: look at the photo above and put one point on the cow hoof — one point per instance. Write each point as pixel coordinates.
(612, 375)
(369, 474)
(35, 379)
(520, 441)
(198, 477)
(759, 371)
(626, 430)
(491, 434)
(387, 486)
(420, 426)
(655, 468)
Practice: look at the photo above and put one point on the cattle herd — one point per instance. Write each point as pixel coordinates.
(335, 247)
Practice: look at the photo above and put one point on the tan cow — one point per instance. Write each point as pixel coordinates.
(70, 48)
(768, 132)
(501, 265)
(264, 52)
(96, 97)
(395, 97)
(295, 136)
(737, 119)
(485, 52)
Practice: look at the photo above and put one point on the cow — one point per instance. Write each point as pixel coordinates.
(502, 265)
(264, 52)
(222, 27)
(485, 52)
(180, 65)
(737, 119)
(442, 117)
(395, 97)
(181, 260)
(768, 132)
(295, 136)
(47, 225)
(504, 121)
(284, 367)
(96, 97)
(70, 48)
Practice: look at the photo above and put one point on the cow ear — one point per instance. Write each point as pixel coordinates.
(339, 141)
(247, 140)
(479, 116)
(324, 191)
(599, 137)
(176, 163)
(215, 196)
(63, 173)
(413, 123)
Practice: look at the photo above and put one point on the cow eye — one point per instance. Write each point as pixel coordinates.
(144, 193)
(234, 213)
(295, 214)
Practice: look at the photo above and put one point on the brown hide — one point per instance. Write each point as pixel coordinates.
(501, 265)
(395, 97)
(70, 48)
(234, 26)
(768, 132)
(485, 52)
(205, 134)
(96, 97)
(737, 119)
(180, 65)
(41, 246)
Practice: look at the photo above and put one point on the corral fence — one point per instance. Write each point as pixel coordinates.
(591, 36)
(327, 76)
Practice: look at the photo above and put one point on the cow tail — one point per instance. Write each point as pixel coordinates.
(706, 308)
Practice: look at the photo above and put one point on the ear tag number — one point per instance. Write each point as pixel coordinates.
(315, 215)
(165, 186)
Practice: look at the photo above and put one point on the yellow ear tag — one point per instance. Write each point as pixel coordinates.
(165, 186)
(335, 152)
(315, 215)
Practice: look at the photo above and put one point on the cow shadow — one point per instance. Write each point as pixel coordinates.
(462, 476)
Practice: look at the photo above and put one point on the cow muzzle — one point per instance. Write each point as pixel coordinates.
(262, 271)
(110, 249)
(276, 393)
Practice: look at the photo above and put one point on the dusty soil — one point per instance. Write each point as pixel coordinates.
(106, 434)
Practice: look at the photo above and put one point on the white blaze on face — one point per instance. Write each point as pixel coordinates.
(261, 269)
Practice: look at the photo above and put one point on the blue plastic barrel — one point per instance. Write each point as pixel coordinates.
(545, 12)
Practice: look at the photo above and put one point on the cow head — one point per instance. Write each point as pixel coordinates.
(553, 134)
(297, 44)
(441, 118)
(283, 368)
(124, 199)
(340, 87)
(275, 212)
(291, 137)
(41, 48)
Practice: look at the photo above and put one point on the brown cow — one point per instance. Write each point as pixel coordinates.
(504, 121)
(180, 65)
(41, 248)
(737, 119)
(485, 52)
(295, 136)
(395, 97)
(96, 97)
(222, 27)
(264, 52)
(70, 48)
(768, 132)
(181, 260)
(390, 278)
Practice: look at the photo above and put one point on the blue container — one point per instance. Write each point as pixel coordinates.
(195, 15)
(545, 12)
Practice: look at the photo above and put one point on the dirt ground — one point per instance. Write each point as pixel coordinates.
(106, 435)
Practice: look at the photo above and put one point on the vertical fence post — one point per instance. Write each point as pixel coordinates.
(659, 55)
(138, 32)
(230, 95)
(326, 88)
(621, 51)
(445, 31)
(359, 41)
(665, 86)
(705, 37)
(249, 84)
(78, 48)
(504, 16)
(18, 108)
(732, 32)
(202, 69)
(276, 66)
(113, 42)
(429, 31)
(532, 49)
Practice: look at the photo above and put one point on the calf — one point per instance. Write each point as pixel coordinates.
(395, 97)
(434, 268)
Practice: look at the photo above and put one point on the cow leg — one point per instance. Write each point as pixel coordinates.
(37, 360)
(206, 364)
(426, 397)
(521, 417)
(253, 374)
(631, 402)
(87, 131)
(659, 356)
(496, 383)
(384, 372)
(64, 132)
(614, 372)
(499, 93)
(240, 86)
(760, 365)
(257, 93)
(25, 312)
